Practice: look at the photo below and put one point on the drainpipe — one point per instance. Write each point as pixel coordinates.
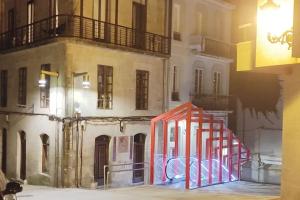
(77, 155)
(165, 85)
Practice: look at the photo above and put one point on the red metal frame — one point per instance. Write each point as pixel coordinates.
(190, 113)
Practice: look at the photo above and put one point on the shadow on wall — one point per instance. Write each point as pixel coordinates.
(259, 92)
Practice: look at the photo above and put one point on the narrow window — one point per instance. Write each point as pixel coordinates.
(176, 23)
(142, 88)
(3, 88)
(11, 20)
(45, 91)
(30, 20)
(199, 23)
(198, 82)
(217, 83)
(45, 153)
(175, 93)
(105, 87)
(22, 86)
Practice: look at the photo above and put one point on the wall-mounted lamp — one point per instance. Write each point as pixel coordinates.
(85, 79)
(274, 22)
(43, 81)
(270, 5)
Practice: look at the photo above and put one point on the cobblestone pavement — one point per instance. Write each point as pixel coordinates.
(232, 191)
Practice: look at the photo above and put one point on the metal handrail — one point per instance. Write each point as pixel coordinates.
(106, 179)
(85, 28)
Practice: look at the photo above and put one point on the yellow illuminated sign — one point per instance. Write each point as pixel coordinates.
(272, 23)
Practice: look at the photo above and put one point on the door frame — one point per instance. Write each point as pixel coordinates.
(23, 151)
(139, 179)
(98, 142)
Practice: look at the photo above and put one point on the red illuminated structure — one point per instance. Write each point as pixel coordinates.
(188, 145)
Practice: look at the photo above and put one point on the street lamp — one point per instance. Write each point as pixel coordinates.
(85, 79)
(43, 81)
(269, 5)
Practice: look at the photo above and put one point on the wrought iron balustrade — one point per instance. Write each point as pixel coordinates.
(211, 46)
(84, 28)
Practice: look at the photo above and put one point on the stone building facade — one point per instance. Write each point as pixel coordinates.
(63, 135)
(201, 55)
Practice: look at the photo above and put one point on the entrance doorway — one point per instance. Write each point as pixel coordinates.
(4, 150)
(139, 24)
(22, 155)
(101, 157)
(138, 158)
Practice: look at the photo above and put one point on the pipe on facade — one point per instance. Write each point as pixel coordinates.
(81, 155)
(77, 155)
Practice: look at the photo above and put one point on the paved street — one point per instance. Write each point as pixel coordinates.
(232, 191)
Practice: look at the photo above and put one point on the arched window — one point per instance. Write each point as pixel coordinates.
(45, 153)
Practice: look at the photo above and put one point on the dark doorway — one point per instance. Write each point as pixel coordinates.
(138, 158)
(139, 24)
(23, 155)
(101, 157)
(4, 150)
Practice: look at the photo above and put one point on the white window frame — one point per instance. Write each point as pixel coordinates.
(217, 86)
(198, 90)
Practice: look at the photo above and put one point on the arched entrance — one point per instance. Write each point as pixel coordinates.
(101, 157)
(138, 158)
(22, 155)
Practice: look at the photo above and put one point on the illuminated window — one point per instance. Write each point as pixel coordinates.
(30, 20)
(199, 25)
(45, 91)
(22, 93)
(45, 153)
(217, 83)
(3, 88)
(176, 23)
(142, 88)
(198, 82)
(105, 87)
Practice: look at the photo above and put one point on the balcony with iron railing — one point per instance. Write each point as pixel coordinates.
(211, 46)
(72, 26)
(212, 102)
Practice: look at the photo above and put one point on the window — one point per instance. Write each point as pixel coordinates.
(217, 83)
(176, 24)
(198, 82)
(142, 88)
(175, 93)
(105, 87)
(11, 20)
(30, 20)
(45, 153)
(3, 88)
(45, 91)
(22, 86)
(199, 23)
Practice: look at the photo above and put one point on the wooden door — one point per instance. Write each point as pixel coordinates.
(139, 24)
(23, 155)
(138, 158)
(101, 157)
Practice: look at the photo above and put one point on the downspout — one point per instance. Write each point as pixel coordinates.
(81, 155)
(77, 155)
